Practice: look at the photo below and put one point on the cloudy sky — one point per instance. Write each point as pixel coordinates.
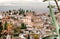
(21, 2)
(34, 3)
(39, 3)
(2, 1)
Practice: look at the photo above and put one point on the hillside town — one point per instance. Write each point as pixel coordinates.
(26, 24)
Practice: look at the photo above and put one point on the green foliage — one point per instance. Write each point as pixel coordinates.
(1, 28)
(23, 26)
(5, 25)
(30, 11)
(54, 20)
(54, 23)
(33, 11)
(15, 13)
(16, 29)
(27, 10)
(21, 11)
(50, 37)
(36, 36)
(59, 31)
(9, 11)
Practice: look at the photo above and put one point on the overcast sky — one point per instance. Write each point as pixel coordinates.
(23, 3)
(38, 4)
(1, 1)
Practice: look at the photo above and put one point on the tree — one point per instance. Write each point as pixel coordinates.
(33, 12)
(56, 4)
(9, 11)
(21, 11)
(15, 13)
(5, 25)
(16, 30)
(23, 26)
(28, 36)
(36, 36)
(27, 11)
(30, 11)
(1, 28)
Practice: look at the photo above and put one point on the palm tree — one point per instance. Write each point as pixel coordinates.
(56, 4)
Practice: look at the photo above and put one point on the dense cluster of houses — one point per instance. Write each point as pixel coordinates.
(36, 22)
